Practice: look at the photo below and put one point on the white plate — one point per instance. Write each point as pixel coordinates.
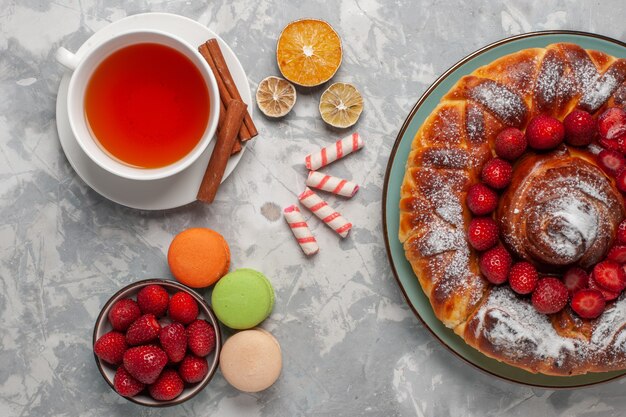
(160, 194)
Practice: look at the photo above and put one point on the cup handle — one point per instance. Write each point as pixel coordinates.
(67, 59)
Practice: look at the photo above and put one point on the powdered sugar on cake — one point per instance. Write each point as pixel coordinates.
(579, 225)
(560, 215)
(517, 330)
(505, 104)
(514, 325)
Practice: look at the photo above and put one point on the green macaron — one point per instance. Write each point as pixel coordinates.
(243, 298)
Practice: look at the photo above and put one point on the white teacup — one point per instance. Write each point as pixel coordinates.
(83, 66)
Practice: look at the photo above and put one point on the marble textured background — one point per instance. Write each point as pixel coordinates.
(351, 346)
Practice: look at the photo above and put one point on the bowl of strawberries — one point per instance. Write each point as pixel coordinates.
(157, 342)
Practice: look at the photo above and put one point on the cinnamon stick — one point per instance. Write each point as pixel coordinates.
(226, 138)
(225, 96)
(220, 123)
(222, 68)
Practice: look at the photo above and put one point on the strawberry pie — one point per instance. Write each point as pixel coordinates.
(512, 210)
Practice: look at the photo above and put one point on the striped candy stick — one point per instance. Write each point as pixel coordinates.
(324, 212)
(334, 152)
(300, 230)
(331, 184)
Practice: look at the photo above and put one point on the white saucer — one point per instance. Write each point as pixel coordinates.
(160, 194)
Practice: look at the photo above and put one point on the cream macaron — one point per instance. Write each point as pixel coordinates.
(251, 360)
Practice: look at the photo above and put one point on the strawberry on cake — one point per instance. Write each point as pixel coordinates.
(512, 212)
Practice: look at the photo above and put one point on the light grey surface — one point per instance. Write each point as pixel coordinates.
(350, 344)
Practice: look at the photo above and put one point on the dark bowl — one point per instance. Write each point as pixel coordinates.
(130, 291)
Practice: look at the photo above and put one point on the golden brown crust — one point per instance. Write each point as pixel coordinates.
(560, 210)
(446, 156)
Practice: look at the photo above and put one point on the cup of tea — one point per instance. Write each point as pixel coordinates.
(142, 105)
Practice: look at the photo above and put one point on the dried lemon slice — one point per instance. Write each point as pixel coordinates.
(341, 105)
(308, 52)
(275, 96)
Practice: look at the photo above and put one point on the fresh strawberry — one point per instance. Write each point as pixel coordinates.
(123, 313)
(173, 338)
(481, 199)
(580, 128)
(482, 233)
(611, 162)
(608, 295)
(495, 264)
(200, 337)
(544, 132)
(621, 232)
(145, 363)
(167, 387)
(153, 299)
(617, 254)
(621, 143)
(193, 369)
(183, 308)
(611, 145)
(523, 278)
(143, 330)
(110, 347)
(575, 279)
(510, 144)
(588, 303)
(550, 296)
(620, 181)
(612, 123)
(125, 384)
(610, 275)
(497, 173)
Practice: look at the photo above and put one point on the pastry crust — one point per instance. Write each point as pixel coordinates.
(446, 156)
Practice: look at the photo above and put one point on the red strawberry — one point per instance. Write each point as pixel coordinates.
(612, 123)
(173, 338)
(611, 162)
(510, 143)
(193, 369)
(482, 233)
(495, 264)
(588, 303)
(497, 173)
(610, 275)
(580, 128)
(153, 299)
(608, 295)
(620, 181)
(621, 143)
(617, 254)
(481, 199)
(123, 313)
(145, 363)
(200, 337)
(183, 308)
(550, 296)
(544, 132)
(523, 278)
(611, 145)
(110, 347)
(167, 387)
(145, 329)
(621, 232)
(125, 384)
(575, 279)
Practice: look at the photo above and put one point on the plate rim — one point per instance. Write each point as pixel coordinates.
(390, 162)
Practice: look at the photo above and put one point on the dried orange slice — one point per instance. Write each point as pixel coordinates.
(341, 105)
(308, 52)
(275, 96)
